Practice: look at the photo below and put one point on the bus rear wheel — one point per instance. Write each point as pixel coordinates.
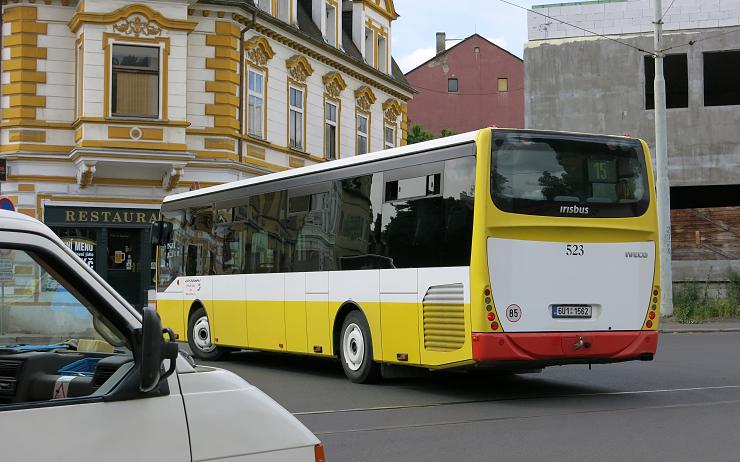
(356, 350)
(199, 338)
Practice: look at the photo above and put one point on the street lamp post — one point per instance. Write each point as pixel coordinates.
(661, 166)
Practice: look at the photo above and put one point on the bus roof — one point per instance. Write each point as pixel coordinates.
(333, 165)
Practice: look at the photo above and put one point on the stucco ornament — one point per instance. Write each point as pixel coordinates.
(299, 68)
(137, 25)
(391, 110)
(364, 98)
(334, 84)
(258, 51)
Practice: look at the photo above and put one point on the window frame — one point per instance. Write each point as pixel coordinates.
(163, 44)
(370, 55)
(110, 305)
(649, 88)
(79, 76)
(505, 87)
(302, 111)
(336, 124)
(457, 85)
(358, 133)
(713, 54)
(386, 144)
(263, 73)
(334, 41)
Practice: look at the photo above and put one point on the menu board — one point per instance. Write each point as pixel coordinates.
(84, 248)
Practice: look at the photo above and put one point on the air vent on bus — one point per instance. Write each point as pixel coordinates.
(444, 318)
(103, 373)
(9, 369)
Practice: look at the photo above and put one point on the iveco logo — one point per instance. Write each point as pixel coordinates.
(635, 255)
(573, 209)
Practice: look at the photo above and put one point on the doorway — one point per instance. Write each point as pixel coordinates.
(124, 263)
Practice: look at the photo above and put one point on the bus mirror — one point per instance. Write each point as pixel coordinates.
(161, 232)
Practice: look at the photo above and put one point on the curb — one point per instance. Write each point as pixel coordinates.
(699, 330)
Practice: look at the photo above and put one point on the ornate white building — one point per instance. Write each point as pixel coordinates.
(109, 105)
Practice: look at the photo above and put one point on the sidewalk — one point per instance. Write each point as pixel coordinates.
(671, 326)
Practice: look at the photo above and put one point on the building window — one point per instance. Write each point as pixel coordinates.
(256, 103)
(264, 5)
(503, 85)
(382, 54)
(78, 81)
(390, 137)
(363, 125)
(283, 10)
(331, 24)
(676, 74)
(331, 127)
(296, 120)
(721, 84)
(452, 85)
(369, 46)
(135, 81)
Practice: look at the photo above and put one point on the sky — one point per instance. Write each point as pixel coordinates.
(414, 31)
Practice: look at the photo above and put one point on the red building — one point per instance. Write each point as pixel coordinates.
(472, 85)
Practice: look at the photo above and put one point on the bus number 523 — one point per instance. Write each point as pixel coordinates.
(574, 249)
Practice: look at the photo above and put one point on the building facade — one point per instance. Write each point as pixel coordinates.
(110, 105)
(583, 82)
(471, 85)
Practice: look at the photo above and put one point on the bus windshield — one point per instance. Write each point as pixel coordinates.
(574, 175)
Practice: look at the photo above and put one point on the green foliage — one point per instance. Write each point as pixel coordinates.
(447, 132)
(417, 134)
(692, 302)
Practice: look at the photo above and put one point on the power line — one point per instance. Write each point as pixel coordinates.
(666, 10)
(692, 42)
(580, 28)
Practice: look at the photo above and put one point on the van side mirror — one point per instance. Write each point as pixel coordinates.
(161, 232)
(154, 349)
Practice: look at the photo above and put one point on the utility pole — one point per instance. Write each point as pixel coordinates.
(661, 167)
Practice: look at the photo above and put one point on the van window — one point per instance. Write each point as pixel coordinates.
(53, 343)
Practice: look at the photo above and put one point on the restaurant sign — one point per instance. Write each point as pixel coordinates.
(99, 215)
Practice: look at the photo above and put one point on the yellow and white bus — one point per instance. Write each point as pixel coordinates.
(512, 248)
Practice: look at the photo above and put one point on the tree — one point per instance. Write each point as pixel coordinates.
(447, 132)
(417, 134)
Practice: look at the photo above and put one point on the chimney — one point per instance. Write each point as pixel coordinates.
(441, 39)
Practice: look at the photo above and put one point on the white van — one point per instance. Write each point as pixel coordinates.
(85, 377)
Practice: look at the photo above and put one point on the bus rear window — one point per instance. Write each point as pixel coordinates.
(578, 176)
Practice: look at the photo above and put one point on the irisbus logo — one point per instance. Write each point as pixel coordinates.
(574, 209)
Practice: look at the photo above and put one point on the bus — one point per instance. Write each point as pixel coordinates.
(515, 249)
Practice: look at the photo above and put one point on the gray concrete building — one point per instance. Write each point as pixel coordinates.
(580, 81)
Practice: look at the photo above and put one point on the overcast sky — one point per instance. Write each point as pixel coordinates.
(414, 32)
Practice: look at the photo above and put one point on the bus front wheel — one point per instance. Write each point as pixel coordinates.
(199, 338)
(356, 349)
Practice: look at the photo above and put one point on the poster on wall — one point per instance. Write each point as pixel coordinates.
(84, 248)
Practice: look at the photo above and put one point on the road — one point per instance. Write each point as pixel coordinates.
(683, 406)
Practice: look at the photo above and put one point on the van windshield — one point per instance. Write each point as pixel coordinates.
(568, 175)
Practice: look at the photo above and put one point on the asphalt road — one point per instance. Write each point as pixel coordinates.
(683, 406)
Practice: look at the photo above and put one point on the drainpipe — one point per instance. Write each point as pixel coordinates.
(240, 115)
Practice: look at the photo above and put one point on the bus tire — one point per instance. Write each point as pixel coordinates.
(356, 349)
(199, 338)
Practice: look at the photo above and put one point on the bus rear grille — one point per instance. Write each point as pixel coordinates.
(444, 318)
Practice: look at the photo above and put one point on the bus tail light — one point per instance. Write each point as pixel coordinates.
(652, 312)
(490, 310)
(318, 453)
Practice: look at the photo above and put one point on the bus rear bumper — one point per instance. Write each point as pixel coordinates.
(559, 346)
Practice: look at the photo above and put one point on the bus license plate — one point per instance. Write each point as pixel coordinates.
(571, 311)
